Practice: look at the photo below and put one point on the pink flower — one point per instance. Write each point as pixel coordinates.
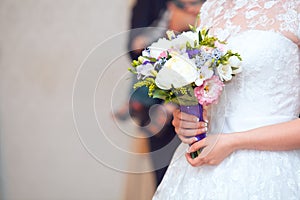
(209, 92)
(163, 54)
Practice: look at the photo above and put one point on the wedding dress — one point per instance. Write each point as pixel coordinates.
(266, 34)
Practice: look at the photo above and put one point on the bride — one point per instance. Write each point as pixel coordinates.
(257, 154)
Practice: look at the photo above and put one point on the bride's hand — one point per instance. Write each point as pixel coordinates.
(188, 126)
(217, 148)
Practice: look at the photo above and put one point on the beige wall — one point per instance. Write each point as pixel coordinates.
(42, 45)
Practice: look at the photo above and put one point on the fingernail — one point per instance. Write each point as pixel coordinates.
(205, 124)
(195, 139)
(196, 119)
(205, 129)
(189, 150)
(206, 120)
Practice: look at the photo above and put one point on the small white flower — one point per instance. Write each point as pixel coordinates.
(180, 41)
(225, 72)
(171, 35)
(144, 70)
(163, 44)
(235, 63)
(204, 74)
(158, 47)
(208, 63)
(178, 71)
(146, 53)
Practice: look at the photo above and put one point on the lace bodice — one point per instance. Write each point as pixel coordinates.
(269, 85)
(229, 17)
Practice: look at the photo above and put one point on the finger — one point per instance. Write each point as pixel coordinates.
(190, 132)
(188, 125)
(205, 117)
(184, 116)
(187, 140)
(195, 162)
(197, 145)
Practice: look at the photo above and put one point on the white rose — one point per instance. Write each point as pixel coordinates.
(225, 72)
(236, 63)
(178, 71)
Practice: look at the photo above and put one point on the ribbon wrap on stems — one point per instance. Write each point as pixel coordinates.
(196, 110)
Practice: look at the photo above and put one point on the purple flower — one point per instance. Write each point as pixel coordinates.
(146, 62)
(193, 52)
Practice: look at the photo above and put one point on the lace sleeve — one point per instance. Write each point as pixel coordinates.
(227, 18)
(298, 21)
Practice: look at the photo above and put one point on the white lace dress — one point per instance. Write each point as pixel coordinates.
(266, 92)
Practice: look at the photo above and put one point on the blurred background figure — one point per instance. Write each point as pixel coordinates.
(156, 17)
(42, 45)
(41, 154)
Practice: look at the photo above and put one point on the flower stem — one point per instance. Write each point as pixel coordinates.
(196, 153)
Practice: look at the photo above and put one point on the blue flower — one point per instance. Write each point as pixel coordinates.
(160, 63)
(200, 61)
(217, 54)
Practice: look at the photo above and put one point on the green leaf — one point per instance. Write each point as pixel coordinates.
(192, 28)
(160, 94)
(206, 33)
(188, 45)
(200, 37)
(197, 20)
(150, 59)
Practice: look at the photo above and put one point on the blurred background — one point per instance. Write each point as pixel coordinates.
(43, 45)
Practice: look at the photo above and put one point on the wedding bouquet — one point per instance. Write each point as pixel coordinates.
(188, 69)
